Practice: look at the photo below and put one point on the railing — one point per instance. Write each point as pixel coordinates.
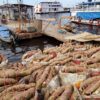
(86, 9)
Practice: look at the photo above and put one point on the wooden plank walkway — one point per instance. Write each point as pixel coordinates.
(86, 22)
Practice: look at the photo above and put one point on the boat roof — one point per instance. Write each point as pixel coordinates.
(23, 5)
(90, 3)
(12, 5)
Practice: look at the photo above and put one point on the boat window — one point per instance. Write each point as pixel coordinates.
(55, 9)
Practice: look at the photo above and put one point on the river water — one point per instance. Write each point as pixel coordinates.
(14, 53)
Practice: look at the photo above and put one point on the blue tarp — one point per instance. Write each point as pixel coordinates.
(4, 34)
(2, 28)
(88, 15)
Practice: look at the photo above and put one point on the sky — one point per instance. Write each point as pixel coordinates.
(65, 3)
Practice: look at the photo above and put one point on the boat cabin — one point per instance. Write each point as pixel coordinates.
(88, 6)
(49, 6)
(12, 11)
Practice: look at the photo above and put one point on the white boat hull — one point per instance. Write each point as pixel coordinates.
(52, 12)
(73, 13)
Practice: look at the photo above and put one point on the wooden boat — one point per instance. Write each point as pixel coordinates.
(3, 61)
(23, 34)
(87, 22)
(69, 28)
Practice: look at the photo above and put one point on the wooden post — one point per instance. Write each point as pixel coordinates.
(32, 12)
(2, 11)
(59, 24)
(38, 25)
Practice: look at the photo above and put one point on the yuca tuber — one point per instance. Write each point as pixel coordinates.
(66, 95)
(57, 59)
(91, 88)
(39, 73)
(91, 51)
(33, 77)
(42, 78)
(24, 95)
(29, 54)
(47, 58)
(36, 75)
(7, 81)
(97, 91)
(73, 69)
(88, 81)
(8, 95)
(4, 87)
(95, 55)
(94, 73)
(52, 73)
(48, 50)
(18, 87)
(66, 50)
(93, 60)
(95, 65)
(46, 70)
(47, 94)
(60, 61)
(65, 61)
(31, 70)
(57, 93)
(11, 73)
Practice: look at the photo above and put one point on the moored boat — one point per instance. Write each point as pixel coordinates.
(87, 22)
(50, 7)
(87, 13)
